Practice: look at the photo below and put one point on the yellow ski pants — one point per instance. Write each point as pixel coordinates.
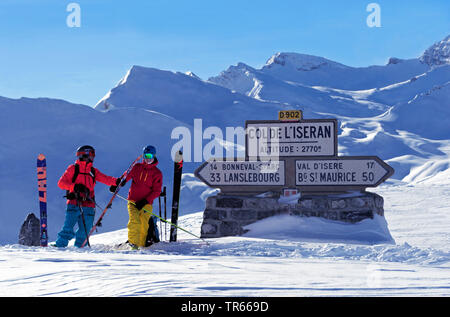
(138, 224)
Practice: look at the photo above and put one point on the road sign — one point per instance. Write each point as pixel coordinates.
(223, 173)
(289, 115)
(273, 138)
(363, 171)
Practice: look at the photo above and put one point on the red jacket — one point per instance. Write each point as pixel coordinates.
(84, 177)
(147, 182)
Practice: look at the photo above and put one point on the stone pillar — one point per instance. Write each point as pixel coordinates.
(227, 215)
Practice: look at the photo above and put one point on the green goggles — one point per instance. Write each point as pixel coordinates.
(148, 156)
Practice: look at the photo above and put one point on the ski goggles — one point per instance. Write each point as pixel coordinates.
(86, 153)
(148, 156)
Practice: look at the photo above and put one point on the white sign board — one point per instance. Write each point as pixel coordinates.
(242, 173)
(283, 139)
(345, 171)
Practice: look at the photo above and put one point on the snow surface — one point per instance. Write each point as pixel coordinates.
(399, 112)
(286, 264)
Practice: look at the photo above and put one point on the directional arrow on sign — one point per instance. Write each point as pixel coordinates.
(364, 171)
(307, 174)
(222, 173)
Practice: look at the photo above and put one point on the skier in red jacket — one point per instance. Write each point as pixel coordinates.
(145, 187)
(79, 180)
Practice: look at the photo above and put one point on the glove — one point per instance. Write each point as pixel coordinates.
(71, 196)
(123, 183)
(80, 188)
(141, 203)
(113, 188)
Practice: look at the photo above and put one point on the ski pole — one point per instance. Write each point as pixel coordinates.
(160, 222)
(163, 194)
(100, 223)
(84, 222)
(99, 220)
(164, 220)
(165, 213)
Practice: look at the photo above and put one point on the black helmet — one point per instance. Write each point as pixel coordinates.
(86, 152)
(149, 151)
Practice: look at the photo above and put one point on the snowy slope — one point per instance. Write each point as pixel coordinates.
(428, 109)
(417, 265)
(312, 101)
(407, 90)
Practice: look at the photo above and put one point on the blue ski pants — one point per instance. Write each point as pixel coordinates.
(73, 216)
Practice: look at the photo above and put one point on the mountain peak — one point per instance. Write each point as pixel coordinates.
(192, 74)
(236, 78)
(438, 54)
(239, 68)
(135, 70)
(300, 62)
(394, 60)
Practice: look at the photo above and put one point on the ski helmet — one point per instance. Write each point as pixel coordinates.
(86, 152)
(149, 152)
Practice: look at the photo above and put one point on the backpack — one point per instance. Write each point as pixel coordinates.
(77, 172)
(75, 175)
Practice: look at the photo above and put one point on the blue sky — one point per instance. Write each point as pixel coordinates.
(40, 56)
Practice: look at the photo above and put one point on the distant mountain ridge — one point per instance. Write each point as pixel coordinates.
(381, 108)
(318, 71)
(314, 84)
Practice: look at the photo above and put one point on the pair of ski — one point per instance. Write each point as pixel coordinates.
(177, 172)
(172, 225)
(124, 176)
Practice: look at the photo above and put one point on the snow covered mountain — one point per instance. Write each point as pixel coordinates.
(317, 71)
(398, 111)
(438, 54)
(383, 110)
(183, 97)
